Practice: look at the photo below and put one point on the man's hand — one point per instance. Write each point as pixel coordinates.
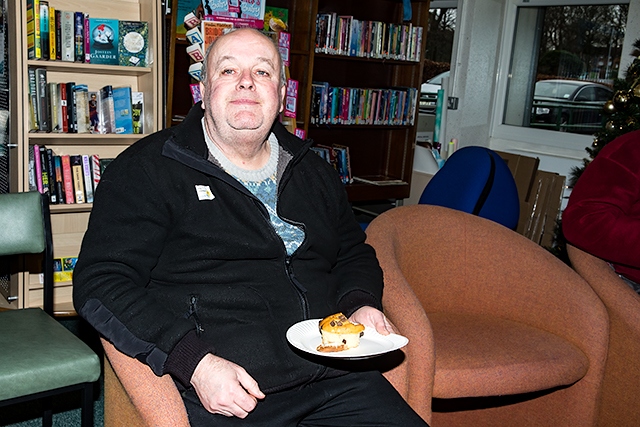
(224, 387)
(373, 318)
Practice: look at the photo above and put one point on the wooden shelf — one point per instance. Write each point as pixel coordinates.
(363, 59)
(78, 67)
(70, 208)
(83, 138)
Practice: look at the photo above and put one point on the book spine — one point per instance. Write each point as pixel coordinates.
(93, 103)
(38, 167)
(63, 113)
(32, 170)
(36, 30)
(87, 39)
(71, 108)
(44, 29)
(54, 100)
(67, 36)
(53, 194)
(33, 99)
(57, 164)
(88, 181)
(52, 33)
(31, 46)
(67, 179)
(137, 112)
(43, 102)
(78, 179)
(81, 95)
(107, 109)
(44, 165)
(122, 107)
(95, 170)
(78, 34)
(58, 34)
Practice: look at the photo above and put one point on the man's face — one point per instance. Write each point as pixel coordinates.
(243, 91)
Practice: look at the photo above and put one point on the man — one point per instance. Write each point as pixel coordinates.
(209, 240)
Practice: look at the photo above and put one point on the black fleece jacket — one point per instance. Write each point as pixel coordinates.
(179, 259)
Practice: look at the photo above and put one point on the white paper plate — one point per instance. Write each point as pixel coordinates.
(305, 336)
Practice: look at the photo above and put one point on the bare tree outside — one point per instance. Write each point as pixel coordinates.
(582, 42)
(439, 42)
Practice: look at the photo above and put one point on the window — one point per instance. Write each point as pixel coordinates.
(562, 62)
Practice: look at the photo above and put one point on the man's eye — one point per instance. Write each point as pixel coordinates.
(227, 72)
(263, 73)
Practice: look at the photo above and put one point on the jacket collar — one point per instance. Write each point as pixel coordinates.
(189, 135)
(187, 145)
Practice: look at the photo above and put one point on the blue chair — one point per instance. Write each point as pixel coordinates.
(476, 180)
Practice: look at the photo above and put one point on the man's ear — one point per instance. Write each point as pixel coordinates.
(283, 94)
(202, 94)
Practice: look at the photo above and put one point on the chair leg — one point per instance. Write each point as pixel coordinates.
(87, 405)
(47, 411)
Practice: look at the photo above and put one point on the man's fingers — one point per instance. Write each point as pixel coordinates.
(250, 385)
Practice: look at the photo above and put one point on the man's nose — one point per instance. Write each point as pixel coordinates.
(246, 80)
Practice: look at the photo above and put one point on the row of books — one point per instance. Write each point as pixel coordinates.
(362, 106)
(338, 157)
(346, 35)
(75, 37)
(68, 107)
(66, 179)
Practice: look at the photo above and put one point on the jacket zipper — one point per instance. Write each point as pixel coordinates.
(193, 313)
(299, 287)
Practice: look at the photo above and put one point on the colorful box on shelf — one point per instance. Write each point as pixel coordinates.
(194, 36)
(195, 92)
(195, 52)
(291, 99)
(195, 70)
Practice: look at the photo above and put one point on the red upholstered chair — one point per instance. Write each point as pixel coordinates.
(621, 386)
(136, 397)
(520, 338)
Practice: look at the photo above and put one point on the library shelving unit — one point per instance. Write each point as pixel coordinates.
(69, 221)
(374, 149)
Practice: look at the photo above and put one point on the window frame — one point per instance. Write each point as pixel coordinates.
(509, 137)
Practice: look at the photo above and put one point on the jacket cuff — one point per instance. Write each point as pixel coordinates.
(353, 300)
(185, 356)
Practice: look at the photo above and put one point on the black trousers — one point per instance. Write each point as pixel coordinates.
(359, 399)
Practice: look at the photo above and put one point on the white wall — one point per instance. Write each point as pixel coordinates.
(478, 34)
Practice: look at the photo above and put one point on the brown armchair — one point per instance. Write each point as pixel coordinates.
(520, 338)
(621, 386)
(136, 397)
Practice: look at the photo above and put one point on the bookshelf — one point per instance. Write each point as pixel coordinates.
(70, 221)
(381, 150)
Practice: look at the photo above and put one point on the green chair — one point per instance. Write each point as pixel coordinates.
(39, 357)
